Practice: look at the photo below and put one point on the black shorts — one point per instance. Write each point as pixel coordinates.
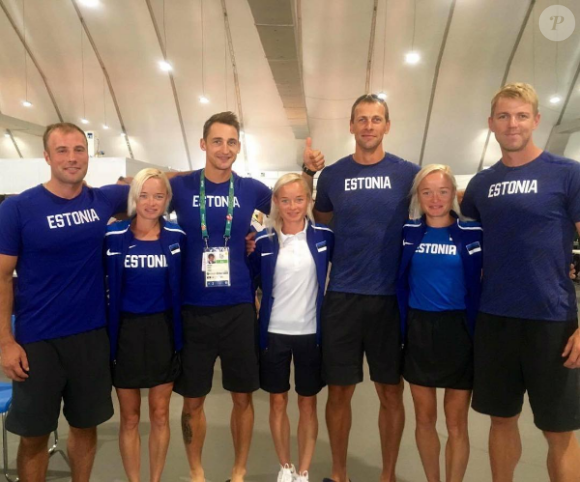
(439, 350)
(353, 325)
(74, 369)
(230, 332)
(513, 355)
(145, 351)
(275, 364)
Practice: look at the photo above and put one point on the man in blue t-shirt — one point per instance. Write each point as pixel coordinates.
(527, 336)
(366, 197)
(214, 206)
(52, 235)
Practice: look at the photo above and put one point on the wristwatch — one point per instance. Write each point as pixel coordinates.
(310, 172)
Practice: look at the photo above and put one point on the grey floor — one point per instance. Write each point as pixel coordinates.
(364, 455)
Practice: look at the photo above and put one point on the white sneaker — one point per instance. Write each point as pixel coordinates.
(287, 473)
(303, 477)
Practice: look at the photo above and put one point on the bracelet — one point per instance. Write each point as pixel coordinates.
(310, 172)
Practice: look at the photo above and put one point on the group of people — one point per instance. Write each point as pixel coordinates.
(414, 300)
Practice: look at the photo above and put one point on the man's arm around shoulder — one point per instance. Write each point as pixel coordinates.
(572, 349)
(321, 217)
(14, 360)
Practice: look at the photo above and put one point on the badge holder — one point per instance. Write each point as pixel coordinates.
(216, 265)
(215, 261)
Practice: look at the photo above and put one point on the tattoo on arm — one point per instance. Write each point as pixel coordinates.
(186, 428)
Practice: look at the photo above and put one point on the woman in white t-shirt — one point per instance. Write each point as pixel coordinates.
(290, 264)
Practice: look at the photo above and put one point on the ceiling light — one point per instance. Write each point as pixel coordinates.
(7, 135)
(412, 58)
(165, 66)
(105, 126)
(555, 99)
(123, 134)
(84, 121)
(382, 95)
(27, 104)
(90, 3)
(203, 99)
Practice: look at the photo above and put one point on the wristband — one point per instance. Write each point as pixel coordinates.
(310, 172)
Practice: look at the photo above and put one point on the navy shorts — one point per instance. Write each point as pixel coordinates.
(227, 332)
(74, 369)
(275, 363)
(514, 355)
(354, 325)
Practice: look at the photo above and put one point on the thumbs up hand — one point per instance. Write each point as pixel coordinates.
(313, 159)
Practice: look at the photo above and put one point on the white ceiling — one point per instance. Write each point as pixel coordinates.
(439, 107)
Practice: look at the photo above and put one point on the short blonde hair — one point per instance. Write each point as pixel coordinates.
(516, 90)
(415, 211)
(137, 186)
(275, 219)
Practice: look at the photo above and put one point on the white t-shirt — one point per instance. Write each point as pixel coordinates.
(295, 288)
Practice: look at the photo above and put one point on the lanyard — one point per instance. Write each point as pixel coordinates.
(202, 213)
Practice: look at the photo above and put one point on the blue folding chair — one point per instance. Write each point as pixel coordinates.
(5, 401)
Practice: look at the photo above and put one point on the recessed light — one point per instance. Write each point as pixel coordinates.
(84, 121)
(7, 135)
(105, 126)
(555, 99)
(27, 104)
(412, 58)
(382, 95)
(165, 66)
(90, 3)
(203, 99)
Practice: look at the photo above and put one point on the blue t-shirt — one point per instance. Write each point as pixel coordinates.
(528, 215)
(145, 279)
(370, 206)
(436, 279)
(61, 287)
(249, 195)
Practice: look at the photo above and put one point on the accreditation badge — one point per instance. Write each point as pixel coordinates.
(216, 265)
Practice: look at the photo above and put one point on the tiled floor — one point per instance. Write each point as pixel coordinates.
(364, 455)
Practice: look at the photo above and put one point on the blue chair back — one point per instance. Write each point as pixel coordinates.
(5, 396)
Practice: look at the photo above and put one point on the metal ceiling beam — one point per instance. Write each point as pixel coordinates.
(568, 127)
(436, 79)
(276, 26)
(560, 133)
(33, 58)
(230, 41)
(172, 81)
(6, 122)
(507, 71)
(106, 74)
(9, 134)
(371, 48)
(14, 124)
(234, 64)
(569, 94)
